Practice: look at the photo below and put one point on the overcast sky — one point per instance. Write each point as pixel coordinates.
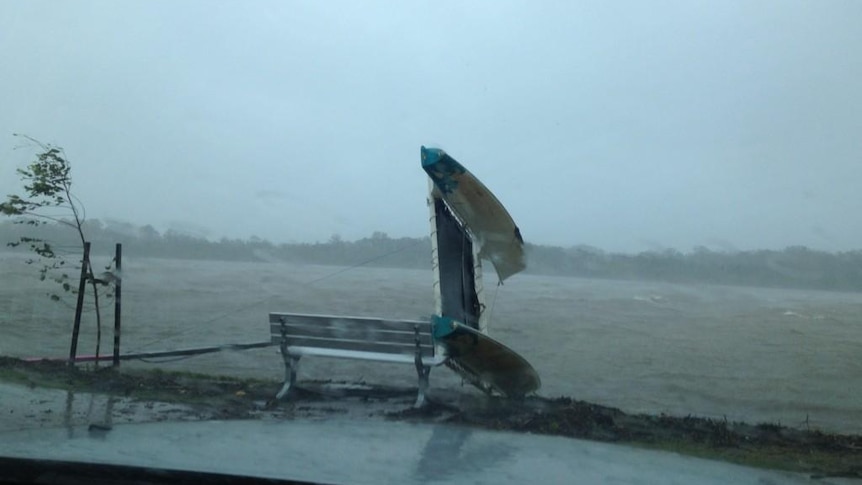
(624, 125)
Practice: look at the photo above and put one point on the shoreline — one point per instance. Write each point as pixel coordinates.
(191, 396)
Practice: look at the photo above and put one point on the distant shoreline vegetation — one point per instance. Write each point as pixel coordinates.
(792, 267)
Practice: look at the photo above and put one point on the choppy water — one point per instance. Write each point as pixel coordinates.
(745, 353)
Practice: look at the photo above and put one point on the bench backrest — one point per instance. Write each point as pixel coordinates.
(354, 337)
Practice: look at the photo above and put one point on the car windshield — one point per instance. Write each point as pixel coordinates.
(433, 241)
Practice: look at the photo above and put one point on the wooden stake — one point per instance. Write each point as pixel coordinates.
(118, 282)
(80, 306)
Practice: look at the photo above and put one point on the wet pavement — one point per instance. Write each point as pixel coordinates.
(27, 408)
(342, 447)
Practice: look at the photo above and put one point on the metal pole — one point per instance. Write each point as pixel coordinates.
(81, 286)
(118, 282)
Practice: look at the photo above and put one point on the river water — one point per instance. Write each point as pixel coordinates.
(764, 355)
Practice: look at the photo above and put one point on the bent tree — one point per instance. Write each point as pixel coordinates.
(49, 199)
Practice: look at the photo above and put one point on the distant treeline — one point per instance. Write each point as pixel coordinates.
(793, 267)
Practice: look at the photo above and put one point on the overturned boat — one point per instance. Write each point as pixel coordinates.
(469, 224)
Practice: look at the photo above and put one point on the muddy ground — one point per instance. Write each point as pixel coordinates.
(767, 445)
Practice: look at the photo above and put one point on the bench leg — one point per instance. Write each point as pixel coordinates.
(290, 365)
(422, 371)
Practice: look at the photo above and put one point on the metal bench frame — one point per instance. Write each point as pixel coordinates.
(364, 338)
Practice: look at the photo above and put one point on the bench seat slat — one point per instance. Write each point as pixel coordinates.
(368, 333)
(349, 322)
(373, 356)
(355, 345)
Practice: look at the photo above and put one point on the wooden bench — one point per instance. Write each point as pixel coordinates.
(375, 339)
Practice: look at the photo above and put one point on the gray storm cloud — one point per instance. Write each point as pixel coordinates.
(602, 124)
